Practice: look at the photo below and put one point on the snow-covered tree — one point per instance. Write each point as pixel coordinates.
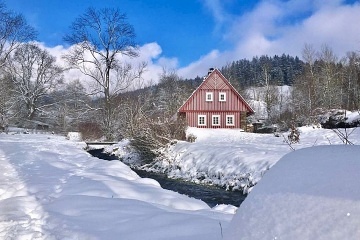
(6, 101)
(14, 30)
(71, 105)
(34, 74)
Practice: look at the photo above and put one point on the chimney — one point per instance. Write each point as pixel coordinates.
(210, 71)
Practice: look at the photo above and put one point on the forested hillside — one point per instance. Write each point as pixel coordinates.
(281, 70)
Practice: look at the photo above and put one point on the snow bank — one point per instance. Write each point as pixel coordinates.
(232, 158)
(312, 193)
(124, 151)
(74, 136)
(50, 188)
(353, 117)
(339, 118)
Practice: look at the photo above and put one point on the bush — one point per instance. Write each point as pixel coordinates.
(294, 136)
(191, 138)
(90, 130)
(155, 135)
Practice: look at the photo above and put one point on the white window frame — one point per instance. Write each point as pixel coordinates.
(201, 124)
(222, 94)
(233, 120)
(209, 94)
(213, 117)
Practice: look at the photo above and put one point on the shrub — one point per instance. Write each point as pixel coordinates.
(294, 135)
(191, 138)
(90, 130)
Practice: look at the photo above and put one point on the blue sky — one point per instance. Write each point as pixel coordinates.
(183, 28)
(192, 35)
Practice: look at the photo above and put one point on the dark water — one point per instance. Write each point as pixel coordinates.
(210, 194)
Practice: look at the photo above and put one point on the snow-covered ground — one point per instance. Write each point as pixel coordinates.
(50, 188)
(312, 193)
(232, 158)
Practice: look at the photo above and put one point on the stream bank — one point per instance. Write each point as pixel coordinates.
(211, 195)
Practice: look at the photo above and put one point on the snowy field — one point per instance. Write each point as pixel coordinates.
(235, 159)
(50, 188)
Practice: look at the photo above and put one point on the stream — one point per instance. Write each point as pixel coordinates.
(212, 195)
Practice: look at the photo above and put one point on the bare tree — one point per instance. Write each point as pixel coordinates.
(99, 39)
(352, 82)
(269, 92)
(171, 93)
(13, 32)
(330, 78)
(307, 86)
(6, 103)
(34, 74)
(319, 87)
(149, 116)
(71, 105)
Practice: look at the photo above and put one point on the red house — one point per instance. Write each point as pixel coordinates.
(215, 104)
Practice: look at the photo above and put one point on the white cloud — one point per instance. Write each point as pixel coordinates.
(200, 67)
(149, 53)
(219, 14)
(57, 52)
(215, 7)
(277, 27)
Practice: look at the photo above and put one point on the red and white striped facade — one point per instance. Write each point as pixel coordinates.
(215, 104)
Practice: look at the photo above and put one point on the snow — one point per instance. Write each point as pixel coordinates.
(124, 151)
(74, 136)
(337, 116)
(312, 193)
(50, 188)
(256, 96)
(353, 117)
(233, 158)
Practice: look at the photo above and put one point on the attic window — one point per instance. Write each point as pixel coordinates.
(202, 120)
(209, 96)
(222, 97)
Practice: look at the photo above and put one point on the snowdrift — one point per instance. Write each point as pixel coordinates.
(312, 193)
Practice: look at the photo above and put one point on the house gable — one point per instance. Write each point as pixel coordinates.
(224, 96)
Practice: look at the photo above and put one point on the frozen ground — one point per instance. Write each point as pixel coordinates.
(50, 188)
(234, 159)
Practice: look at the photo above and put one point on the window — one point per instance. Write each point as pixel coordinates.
(202, 120)
(230, 120)
(209, 96)
(216, 120)
(222, 97)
